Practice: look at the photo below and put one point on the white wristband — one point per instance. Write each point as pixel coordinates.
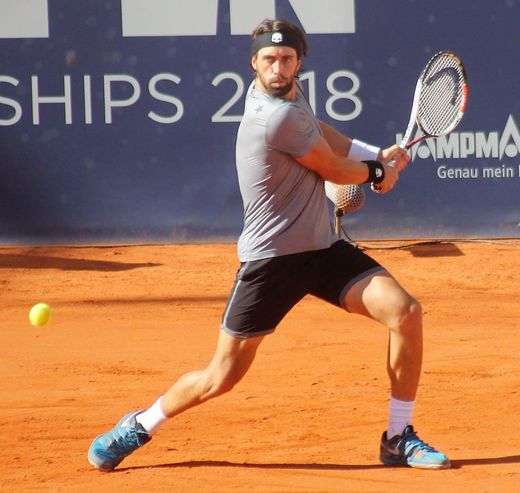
(361, 151)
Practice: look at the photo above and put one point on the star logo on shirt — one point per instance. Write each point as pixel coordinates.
(259, 108)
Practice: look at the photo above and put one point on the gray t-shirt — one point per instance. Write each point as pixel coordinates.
(285, 206)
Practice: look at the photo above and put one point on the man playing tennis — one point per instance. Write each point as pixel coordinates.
(288, 249)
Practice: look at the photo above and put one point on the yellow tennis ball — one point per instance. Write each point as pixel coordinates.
(40, 314)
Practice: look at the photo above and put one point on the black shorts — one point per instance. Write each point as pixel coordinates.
(265, 290)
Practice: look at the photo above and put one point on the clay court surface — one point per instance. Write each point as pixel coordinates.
(307, 418)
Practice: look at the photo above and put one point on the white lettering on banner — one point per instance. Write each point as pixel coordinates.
(13, 111)
(445, 172)
(65, 99)
(169, 17)
(15, 105)
(330, 16)
(24, 19)
(220, 116)
(348, 95)
(341, 105)
(326, 17)
(161, 96)
(463, 173)
(246, 14)
(30, 18)
(460, 145)
(200, 17)
(87, 93)
(119, 103)
(499, 172)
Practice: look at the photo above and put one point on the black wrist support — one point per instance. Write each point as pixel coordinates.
(376, 172)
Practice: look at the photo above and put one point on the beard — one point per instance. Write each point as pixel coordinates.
(275, 89)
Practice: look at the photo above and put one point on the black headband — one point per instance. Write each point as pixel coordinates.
(278, 38)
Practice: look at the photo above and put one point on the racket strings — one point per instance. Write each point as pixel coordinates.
(442, 95)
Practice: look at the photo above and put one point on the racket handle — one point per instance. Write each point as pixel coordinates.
(403, 145)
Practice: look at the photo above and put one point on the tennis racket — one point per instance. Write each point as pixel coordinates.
(440, 98)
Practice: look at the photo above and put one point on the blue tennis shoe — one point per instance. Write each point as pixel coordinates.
(409, 450)
(108, 449)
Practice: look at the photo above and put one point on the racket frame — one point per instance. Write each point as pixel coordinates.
(407, 142)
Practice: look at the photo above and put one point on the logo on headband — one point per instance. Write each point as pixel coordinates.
(277, 38)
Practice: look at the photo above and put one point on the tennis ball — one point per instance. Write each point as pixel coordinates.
(40, 314)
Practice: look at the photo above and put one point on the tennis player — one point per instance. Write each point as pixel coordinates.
(288, 249)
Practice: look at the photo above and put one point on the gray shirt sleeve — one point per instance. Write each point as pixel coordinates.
(290, 130)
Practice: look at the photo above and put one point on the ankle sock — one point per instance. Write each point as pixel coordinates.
(152, 418)
(401, 413)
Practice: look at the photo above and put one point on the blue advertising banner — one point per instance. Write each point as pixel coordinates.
(118, 117)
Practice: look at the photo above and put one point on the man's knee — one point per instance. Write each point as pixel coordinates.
(229, 365)
(407, 316)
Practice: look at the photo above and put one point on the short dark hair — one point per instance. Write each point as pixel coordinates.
(274, 25)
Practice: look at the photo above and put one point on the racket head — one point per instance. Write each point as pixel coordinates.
(442, 94)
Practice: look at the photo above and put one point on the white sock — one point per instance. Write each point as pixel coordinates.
(152, 418)
(400, 416)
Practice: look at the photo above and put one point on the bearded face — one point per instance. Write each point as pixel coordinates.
(276, 69)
